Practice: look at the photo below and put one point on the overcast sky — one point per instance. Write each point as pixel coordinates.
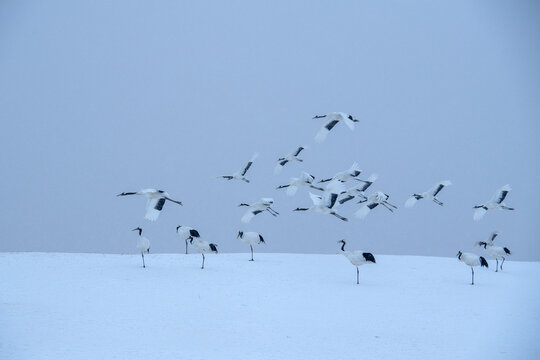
(97, 98)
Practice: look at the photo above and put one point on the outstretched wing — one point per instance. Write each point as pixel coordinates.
(479, 213)
(249, 215)
(493, 235)
(501, 194)
(249, 164)
(364, 210)
(410, 202)
(153, 208)
(317, 200)
(325, 129)
(439, 186)
(291, 190)
(330, 195)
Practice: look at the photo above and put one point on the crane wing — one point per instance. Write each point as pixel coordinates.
(362, 212)
(298, 151)
(291, 190)
(325, 129)
(317, 200)
(153, 208)
(479, 213)
(410, 202)
(501, 194)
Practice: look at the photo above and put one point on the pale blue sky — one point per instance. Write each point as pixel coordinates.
(97, 98)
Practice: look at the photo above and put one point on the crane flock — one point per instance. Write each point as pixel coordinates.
(332, 195)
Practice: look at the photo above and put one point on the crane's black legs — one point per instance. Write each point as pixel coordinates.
(186, 246)
(497, 266)
(502, 263)
(142, 254)
(387, 203)
(339, 216)
(472, 270)
(357, 275)
(251, 246)
(202, 267)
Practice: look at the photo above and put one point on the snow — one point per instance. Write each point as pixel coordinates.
(281, 306)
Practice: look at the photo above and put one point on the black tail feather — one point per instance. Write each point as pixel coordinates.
(483, 262)
(369, 257)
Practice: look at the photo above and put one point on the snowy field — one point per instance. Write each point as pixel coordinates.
(281, 306)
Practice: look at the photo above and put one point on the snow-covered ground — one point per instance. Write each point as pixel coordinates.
(281, 306)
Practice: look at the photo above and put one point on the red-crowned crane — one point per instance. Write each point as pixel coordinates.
(251, 238)
(156, 200)
(203, 247)
(305, 179)
(143, 244)
(357, 258)
(430, 194)
(496, 202)
(333, 119)
(472, 260)
(288, 158)
(325, 204)
(187, 233)
(241, 175)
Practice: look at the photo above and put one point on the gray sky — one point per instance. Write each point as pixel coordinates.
(97, 98)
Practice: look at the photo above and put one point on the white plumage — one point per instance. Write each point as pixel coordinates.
(251, 238)
(290, 157)
(304, 180)
(496, 252)
(265, 204)
(374, 200)
(357, 258)
(324, 204)
(496, 202)
(430, 194)
(346, 175)
(358, 191)
(472, 260)
(333, 119)
(187, 234)
(143, 244)
(203, 247)
(241, 175)
(156, 200)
